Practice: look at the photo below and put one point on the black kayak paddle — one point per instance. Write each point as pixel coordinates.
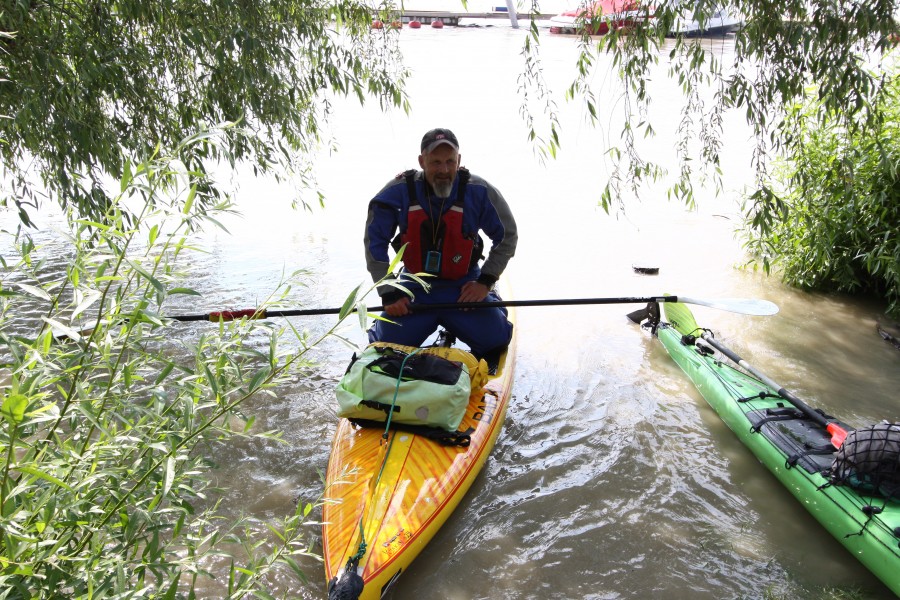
(746, 306)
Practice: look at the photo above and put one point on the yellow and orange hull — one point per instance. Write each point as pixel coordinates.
(399, 507)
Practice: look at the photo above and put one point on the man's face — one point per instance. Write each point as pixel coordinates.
(440, 167)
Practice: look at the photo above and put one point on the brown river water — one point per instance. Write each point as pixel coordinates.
(612, 478)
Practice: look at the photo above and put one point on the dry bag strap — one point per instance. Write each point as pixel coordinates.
(386, 408)
(441, 436)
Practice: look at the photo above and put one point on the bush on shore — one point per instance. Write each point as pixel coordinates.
(834, 206)
(105, 487)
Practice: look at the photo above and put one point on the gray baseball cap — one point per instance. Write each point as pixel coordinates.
(436, 137)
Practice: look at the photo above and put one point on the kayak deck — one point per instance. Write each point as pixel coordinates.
(396, 505)
(797, 450)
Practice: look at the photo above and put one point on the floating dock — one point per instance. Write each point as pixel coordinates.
(450, 18)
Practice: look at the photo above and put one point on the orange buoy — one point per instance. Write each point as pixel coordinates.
(437, 24)
(396, 25)
(376, 24)
(415, 24)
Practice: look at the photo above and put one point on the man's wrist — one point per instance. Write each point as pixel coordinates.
(391, 297)
(487, 280)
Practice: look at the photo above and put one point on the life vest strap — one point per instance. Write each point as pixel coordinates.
(458, 245)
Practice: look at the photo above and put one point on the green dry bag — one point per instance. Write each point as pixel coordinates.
(432, 390)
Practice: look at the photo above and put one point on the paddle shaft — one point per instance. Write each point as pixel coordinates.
(759, 307)
(837, 432)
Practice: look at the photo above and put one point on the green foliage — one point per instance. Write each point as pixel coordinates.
(107, 418)
(782, 48)
(536, 97)
(834, 206)
(832, 222)
(84, 83)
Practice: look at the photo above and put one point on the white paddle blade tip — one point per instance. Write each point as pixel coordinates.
(744, 306)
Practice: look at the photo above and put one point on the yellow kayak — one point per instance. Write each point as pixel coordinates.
(380, 513)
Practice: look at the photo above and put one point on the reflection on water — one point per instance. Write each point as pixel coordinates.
(612, 477)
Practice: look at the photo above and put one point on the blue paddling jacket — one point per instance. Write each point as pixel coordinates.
(483, 210)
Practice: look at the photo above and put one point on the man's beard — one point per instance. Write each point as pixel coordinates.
(442, 188)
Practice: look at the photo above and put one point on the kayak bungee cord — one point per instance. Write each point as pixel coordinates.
(866, 458)
(837, 431)
(350, 585)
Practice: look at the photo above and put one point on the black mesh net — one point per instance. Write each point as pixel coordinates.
(869, 460)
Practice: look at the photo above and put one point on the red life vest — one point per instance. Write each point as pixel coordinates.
(456, 250)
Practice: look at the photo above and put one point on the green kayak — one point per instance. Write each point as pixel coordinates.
(799, 445)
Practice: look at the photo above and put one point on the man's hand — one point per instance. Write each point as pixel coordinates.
(473, 291)
(399, 308)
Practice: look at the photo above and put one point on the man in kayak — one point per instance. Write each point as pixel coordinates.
(439, 212)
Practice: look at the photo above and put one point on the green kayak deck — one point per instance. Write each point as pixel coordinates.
(797, 450)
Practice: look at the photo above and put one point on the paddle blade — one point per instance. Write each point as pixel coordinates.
(639, 316)
(648, 313)
(746, 306)
(681, 318)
